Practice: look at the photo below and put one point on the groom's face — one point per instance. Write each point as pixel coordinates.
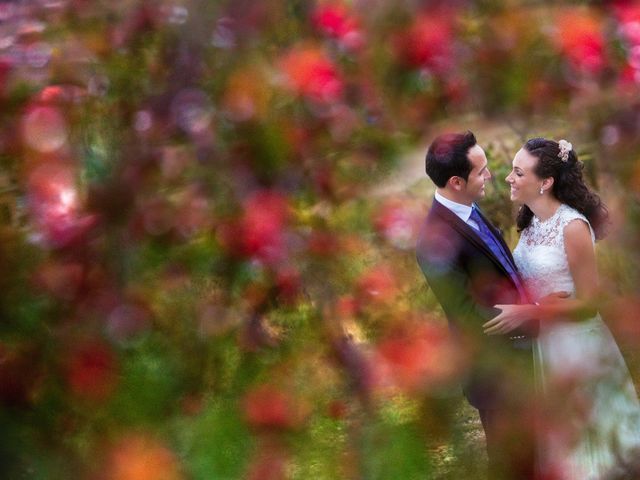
(474, 188)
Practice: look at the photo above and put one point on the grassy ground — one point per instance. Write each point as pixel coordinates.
(465, 456)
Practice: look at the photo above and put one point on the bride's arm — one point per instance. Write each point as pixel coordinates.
(582, 265)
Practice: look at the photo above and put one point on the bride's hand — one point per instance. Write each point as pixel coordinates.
(510, 318)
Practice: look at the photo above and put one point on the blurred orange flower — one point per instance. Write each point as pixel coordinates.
(139, 457)
(310, 72)
(580, 38)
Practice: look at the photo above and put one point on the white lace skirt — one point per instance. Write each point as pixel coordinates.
(589, 422)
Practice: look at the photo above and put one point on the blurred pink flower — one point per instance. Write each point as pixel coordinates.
(628, 15)
(335, 21)
(128, 320)
(53, 203)
(44, 128)
(309, 72)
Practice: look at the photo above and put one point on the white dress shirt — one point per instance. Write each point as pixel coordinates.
(461, 211)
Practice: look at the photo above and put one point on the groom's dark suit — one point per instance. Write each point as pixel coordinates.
(468, 279)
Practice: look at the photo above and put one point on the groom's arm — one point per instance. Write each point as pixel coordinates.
(451, 286)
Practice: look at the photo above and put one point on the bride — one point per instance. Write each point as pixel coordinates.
(589, 422)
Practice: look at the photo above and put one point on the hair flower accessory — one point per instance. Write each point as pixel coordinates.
(565, 148)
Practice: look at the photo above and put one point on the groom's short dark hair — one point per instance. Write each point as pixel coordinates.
(447, 157)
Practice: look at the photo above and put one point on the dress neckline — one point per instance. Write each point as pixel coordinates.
(555, 214)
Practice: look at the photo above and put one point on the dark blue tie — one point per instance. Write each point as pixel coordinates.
(496, 247)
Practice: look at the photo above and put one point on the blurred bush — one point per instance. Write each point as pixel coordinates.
(196, 281)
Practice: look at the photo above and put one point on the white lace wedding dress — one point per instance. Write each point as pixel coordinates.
(590, 421)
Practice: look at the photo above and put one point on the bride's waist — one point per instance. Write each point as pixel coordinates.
(538, 288)
(572, 326)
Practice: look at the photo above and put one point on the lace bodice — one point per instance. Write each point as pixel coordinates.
(540, 254)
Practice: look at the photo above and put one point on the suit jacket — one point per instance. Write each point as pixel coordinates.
(467, 279)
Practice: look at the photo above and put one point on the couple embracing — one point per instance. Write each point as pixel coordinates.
(552, 390)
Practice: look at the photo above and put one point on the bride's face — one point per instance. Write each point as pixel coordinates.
(525, 184)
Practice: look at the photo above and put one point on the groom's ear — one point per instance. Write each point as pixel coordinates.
(457, 183)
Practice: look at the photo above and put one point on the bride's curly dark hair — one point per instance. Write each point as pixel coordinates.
(568, 185)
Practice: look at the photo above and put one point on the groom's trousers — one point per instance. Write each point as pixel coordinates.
(510, 444)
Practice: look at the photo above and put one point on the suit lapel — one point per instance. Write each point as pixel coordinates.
(468, 233)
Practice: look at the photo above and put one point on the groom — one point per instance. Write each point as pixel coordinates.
(469, 268)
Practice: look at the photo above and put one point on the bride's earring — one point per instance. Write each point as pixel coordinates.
(541, 190)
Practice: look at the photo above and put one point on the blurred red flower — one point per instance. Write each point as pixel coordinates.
(419, 355)
(266, 406)
(580, 39)
(91, 370)
(262, 226)
(310, 72)
(397, 221)
(428, 43)
(270, 462)
(323, 243)
(60, 94)
(21, 374)
(5, 70)
(377, 286)
(337, 409)
(60, 279)
(289, 284)
(336, 21)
